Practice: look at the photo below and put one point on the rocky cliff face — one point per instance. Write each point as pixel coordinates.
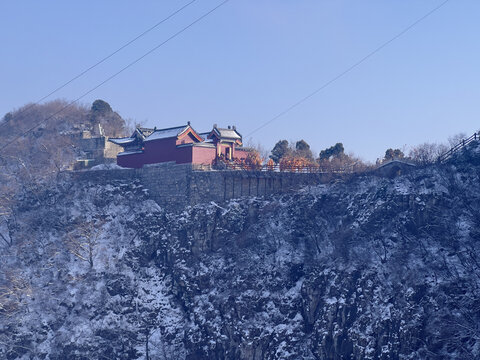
(372, 268)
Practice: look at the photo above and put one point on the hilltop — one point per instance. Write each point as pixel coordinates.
(44, 139)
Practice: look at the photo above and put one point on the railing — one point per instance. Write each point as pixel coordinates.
(459, 146)
(284, 168)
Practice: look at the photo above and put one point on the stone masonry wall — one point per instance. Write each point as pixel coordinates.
(175, 186)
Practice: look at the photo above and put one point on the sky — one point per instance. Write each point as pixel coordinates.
(250, 60)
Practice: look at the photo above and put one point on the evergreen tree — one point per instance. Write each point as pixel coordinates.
(279, 150)
(392, 154)
(303, 150)
(100, 108)
(102, 113)
(8, 116)
(335, 151)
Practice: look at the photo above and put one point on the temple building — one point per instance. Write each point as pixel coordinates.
(181, 144)
(92, 147)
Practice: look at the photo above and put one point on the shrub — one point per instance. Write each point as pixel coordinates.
(427, 153)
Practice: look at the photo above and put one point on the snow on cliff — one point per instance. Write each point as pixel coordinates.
(372, 268)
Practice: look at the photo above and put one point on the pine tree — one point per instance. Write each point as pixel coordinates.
(280, 150)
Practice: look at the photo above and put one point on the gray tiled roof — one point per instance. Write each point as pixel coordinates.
(145, 132)
(228, 133)
(167, 133)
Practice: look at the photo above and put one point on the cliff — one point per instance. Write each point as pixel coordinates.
(369, 268)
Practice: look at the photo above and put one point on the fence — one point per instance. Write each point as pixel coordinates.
(302, 169)
(459, 146)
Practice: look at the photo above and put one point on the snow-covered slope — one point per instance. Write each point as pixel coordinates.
(373, 268)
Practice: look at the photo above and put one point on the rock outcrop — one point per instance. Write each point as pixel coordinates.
(371, 268)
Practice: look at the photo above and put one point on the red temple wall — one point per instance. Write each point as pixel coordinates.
(203, 155)
(184, 155)
(161, 150)
(241, 154)
(130, 161)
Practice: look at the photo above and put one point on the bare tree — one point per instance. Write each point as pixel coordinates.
(9, 187)
(427, 153)
(13, 289)
(258, 147)
(456, 139)
(82, 240)
(59, 154)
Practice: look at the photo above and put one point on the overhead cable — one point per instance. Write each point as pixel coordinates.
(104, 59)
(114, 75)
(349, 69)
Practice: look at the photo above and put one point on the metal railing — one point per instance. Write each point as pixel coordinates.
(461, 145)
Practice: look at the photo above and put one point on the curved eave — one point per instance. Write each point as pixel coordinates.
(125, 153)
(190, 130)
(202, 144)
(122, 141)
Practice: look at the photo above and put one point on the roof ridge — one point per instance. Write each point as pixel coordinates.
(172, 128)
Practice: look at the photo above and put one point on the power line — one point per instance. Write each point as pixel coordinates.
(345, 72)
(115, 74)
(105, 58)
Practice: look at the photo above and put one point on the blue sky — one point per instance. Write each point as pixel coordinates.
(252, 59)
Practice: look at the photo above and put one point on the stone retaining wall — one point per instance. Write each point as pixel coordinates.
(176, 186)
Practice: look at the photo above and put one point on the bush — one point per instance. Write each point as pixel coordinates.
(296, 163)
(427, 153)
(254, 160)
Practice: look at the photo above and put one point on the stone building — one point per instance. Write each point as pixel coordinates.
(93, 148)
(394, 168)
